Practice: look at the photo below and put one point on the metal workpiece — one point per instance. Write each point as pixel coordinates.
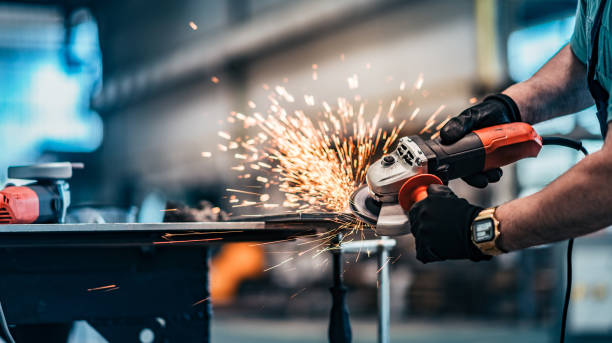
(263, 228)
(355, 247)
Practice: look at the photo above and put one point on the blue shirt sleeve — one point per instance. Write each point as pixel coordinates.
(578, 42)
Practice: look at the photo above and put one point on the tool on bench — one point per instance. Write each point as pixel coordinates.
(45, 200)
(399, 179)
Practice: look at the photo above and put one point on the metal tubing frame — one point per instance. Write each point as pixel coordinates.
(383, 292)
(382, 247)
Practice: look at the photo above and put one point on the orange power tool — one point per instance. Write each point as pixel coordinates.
(45, 200)
(399, 179)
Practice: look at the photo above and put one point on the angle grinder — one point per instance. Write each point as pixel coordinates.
(45, 200)
(398, 180)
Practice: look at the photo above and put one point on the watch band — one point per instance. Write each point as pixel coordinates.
(489, 247)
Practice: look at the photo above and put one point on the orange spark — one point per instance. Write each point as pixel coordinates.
(383, 266)
(419, 82)
(241, 191)
(189, 241)
(101, 288)
(200, 301)
(278, 265)
(297, 293)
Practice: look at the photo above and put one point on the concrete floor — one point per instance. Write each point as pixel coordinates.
(253, 330)
(311, 331)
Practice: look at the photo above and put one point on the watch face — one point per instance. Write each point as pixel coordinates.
(483, 230)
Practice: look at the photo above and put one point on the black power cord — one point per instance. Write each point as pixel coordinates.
(574, 144)
(6, 334)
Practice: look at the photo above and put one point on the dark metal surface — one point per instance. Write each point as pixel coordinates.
(127, 277)
(268, 228)
(162, 289)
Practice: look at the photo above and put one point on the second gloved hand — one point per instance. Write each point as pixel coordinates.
(441, 223)
(493, 110)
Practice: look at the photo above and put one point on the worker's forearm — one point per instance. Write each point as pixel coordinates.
(557, 89)
(577, 203)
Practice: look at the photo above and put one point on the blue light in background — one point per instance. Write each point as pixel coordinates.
(530, 48)
(60, 120)
(44, 102)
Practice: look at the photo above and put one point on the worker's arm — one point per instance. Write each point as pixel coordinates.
(577, 203)
(558, 88)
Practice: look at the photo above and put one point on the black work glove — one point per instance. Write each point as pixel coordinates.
(493, 110)
(441, 224)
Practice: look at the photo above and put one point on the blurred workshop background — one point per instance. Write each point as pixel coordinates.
(137, 90)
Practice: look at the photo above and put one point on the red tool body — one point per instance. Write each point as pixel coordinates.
(29, 204)
(502, 144)
(45, 200)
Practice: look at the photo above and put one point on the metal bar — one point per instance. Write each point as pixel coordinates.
(133, 227)
(383, 293)
(355, 247)
(320, 220)
(265, 228)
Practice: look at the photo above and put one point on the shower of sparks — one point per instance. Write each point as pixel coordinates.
(316, 161)
(310, 156)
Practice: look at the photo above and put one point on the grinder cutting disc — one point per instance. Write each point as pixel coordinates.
(363, 206)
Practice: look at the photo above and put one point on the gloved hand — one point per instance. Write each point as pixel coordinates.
(441, 224)
(493, 110)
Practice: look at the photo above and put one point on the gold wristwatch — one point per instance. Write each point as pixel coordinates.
(485, 232)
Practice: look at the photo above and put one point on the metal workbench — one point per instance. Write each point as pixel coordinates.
(147, 282)
(131, 281)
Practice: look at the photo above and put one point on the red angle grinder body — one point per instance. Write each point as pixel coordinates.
(43, 201)
(401, 177)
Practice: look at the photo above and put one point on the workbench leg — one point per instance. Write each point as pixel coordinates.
(339, 324)
(383, 295)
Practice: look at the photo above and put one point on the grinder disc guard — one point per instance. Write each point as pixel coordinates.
(364, 206)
